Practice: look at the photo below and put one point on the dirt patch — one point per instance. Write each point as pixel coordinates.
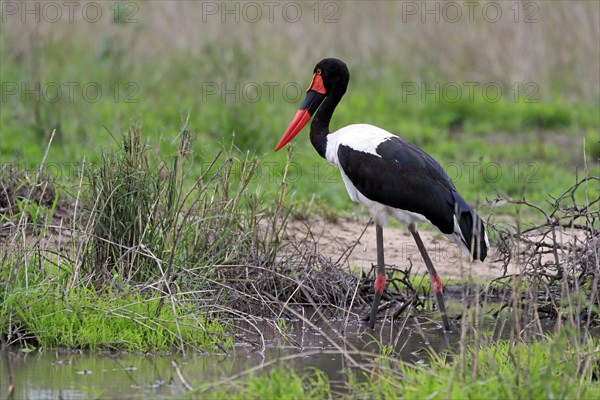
(338, 238)
(37, 211)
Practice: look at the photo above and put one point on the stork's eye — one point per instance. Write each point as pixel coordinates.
(318, 71)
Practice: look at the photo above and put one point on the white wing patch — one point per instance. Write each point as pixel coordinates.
(360, 137)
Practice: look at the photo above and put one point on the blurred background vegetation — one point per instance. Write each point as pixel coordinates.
(230, 69)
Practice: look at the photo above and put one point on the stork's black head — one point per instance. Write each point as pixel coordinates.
(330, 79)
(335, 75)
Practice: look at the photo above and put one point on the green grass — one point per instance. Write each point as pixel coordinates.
(86, 319)
(276, 383)
(562, 366)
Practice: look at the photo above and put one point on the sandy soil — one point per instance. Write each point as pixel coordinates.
(336, 238)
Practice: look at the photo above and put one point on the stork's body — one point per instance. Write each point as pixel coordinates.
(393, 177)
(390, 176)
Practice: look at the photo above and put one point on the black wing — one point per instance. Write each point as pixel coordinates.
(403, 177)
(406, 177)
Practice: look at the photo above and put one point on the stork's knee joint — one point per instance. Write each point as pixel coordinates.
(436, 284)
(379, 283)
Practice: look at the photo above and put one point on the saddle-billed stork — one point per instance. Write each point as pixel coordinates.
(389, 176)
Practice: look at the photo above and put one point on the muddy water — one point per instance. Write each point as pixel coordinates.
(69, 375)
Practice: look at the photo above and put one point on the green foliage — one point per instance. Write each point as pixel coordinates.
(39, 214)
(86, 319)
(592, 143)
(560, 367)
(134, 206)
(547, 116)
(276, 383)
(146, 223)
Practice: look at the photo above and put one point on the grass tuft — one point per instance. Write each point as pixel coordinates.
(83, 319)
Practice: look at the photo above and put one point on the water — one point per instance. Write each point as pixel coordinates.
(83, 375)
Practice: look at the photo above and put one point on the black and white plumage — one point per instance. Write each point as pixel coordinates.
(390, 176)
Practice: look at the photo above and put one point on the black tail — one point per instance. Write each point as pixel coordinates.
(471, 227)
